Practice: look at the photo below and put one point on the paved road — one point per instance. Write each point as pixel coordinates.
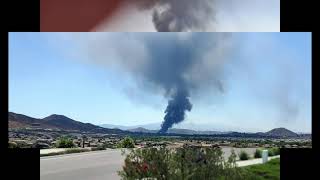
(227, 151)
(254, 161)
(82, 166)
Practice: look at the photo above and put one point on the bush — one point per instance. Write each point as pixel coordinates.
(276, 151)
(270, 152)
(232, 158)
(108, 145)
(65, 142)
(76, 150)
(127, 142)
(243, 155)
(12, 145)
(258, 153)
(100, 147)
(273, 151)
(182, 163)
(52, 154)
(19, 144)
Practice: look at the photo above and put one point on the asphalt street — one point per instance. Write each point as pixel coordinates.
(82, 166)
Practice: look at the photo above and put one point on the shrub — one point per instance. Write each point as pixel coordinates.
(65, 142)
(270, 152)
(232, 158)
(273, 151)
(52, 154)
(243, 155)
(76, 150)
(20, 144)
(100, 147)
(12, 145)
(108, 145)
(127, 142)
(181, 163)
(258, 153)
(276, 151)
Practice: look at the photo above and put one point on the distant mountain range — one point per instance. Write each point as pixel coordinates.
(184, 125)
(151, 126)
(177, 131)
(55, 121)
(64, 123)
(277, 132)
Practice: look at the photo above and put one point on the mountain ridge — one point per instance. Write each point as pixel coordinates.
(56, 121)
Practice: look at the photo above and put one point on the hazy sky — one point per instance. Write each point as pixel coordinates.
(230, 16)
(267, 82)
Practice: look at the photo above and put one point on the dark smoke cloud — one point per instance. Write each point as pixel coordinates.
(175, 111)
(186, 67)
(170, 64)
(177, 65)
(180, 15)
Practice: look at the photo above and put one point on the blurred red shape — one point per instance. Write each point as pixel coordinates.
(75, 15)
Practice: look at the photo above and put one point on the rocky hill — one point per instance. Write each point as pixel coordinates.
(281, 132)
(56, 122)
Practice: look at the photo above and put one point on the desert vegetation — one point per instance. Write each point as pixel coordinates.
(243, 155)
(65, 142)
(127, 142)
(258, 153)
(181, 163)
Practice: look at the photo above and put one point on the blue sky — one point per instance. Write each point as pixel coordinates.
(49, 74)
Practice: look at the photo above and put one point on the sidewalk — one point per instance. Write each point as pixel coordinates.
(54, 150)
(253, 161)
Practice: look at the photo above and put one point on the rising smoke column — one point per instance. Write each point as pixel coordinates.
(175, 110)
(171, 64)
(190, 67)
(175, 65)
(180, 15)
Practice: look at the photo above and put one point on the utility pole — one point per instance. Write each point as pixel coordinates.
(83, 140)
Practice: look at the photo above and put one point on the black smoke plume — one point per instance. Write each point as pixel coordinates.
(191, 67)
(177, 65)
(175, 111)
(180, 15)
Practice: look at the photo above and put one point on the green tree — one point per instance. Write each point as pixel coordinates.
(127, 142)
(65, 142)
